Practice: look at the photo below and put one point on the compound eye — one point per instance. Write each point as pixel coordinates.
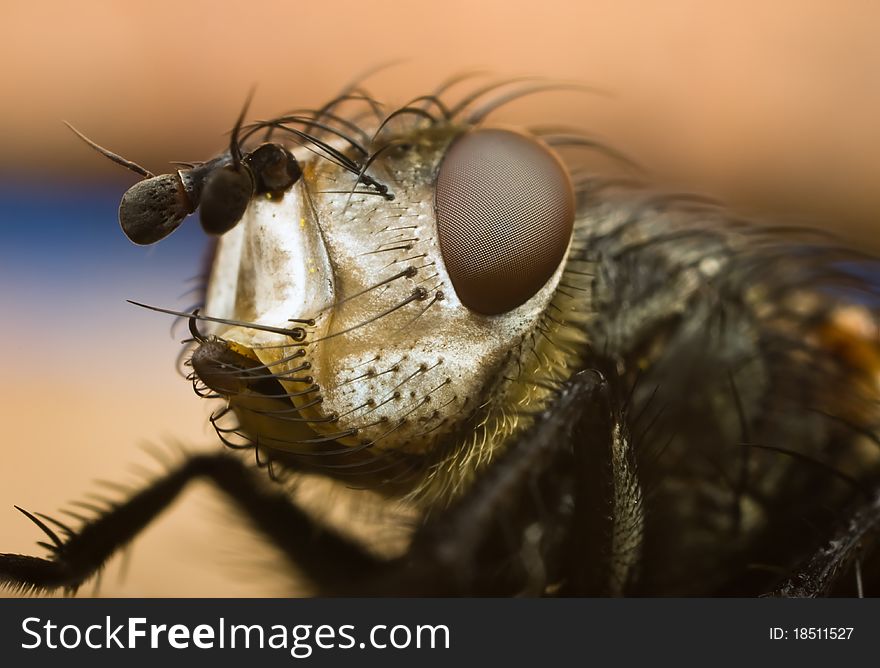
(505, 211)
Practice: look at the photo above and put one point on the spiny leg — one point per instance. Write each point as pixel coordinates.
(327, 558)
(563, 496)
(820, 574)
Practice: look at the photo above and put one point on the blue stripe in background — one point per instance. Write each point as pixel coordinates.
(65, 230)
(66, 267)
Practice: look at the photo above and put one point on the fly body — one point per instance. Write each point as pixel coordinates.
(578, 384)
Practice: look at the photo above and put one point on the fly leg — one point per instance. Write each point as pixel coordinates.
(326, 557)
(562, 497)
(823, 571)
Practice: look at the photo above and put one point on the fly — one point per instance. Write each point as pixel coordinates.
(580, 385)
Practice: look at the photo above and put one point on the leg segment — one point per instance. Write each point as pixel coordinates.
(822, 571)
(559, 510)
(327, 558)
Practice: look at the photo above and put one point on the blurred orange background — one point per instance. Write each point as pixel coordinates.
(773, 106)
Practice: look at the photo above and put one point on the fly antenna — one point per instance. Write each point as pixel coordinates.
(118, 159)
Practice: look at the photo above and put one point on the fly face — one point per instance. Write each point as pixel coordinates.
(410, 311)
